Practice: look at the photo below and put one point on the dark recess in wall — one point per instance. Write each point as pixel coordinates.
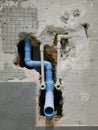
(35, 55)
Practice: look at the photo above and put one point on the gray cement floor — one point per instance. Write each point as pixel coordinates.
(17, 106)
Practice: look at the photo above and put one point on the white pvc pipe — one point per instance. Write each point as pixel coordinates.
(42, 67)
(58, 76)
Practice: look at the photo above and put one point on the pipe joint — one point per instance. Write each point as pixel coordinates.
(49, 85)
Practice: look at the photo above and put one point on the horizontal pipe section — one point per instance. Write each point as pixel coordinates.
(49, 98)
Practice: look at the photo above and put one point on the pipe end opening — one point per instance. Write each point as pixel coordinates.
(49, 112)
(42, 87)
(58, 87)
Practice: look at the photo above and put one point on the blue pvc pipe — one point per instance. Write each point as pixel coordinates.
(49, 104)
(49, 98)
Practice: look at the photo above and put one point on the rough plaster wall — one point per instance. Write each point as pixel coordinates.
(15, 20)
(15, 17)
(79, 68)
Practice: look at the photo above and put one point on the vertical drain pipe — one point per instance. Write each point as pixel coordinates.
(49, 97)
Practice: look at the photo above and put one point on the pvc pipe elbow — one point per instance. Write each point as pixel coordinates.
(48, 65)
(28, 63)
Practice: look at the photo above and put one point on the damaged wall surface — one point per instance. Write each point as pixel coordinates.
(14, 19)
(80, 58)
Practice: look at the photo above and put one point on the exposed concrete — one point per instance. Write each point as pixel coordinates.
(48, 34)
(79, 67)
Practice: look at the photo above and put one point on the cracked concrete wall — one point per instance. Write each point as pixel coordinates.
(78, 67)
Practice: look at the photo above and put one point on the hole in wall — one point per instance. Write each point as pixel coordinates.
(66, 48)
(58, 102)
(35, 55)
(64, 45)
(86, 26)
